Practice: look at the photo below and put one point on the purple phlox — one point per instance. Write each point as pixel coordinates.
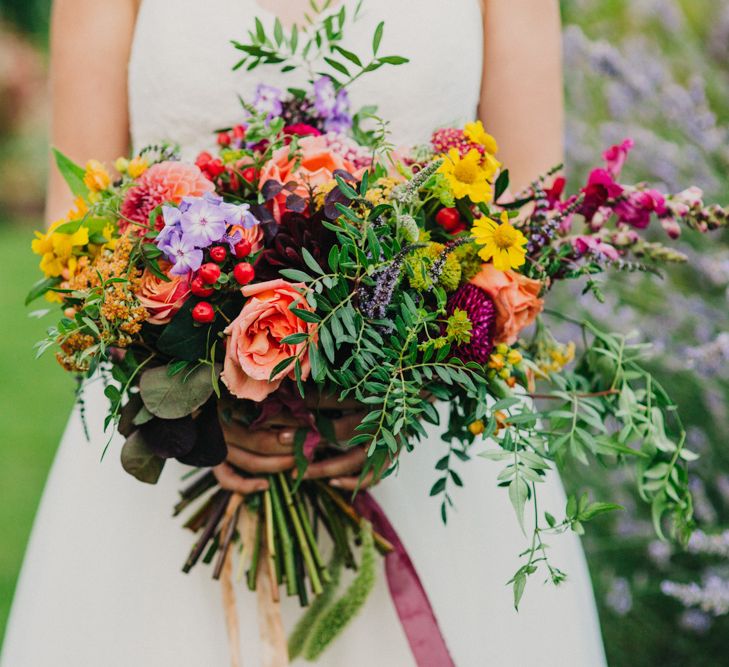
(332, 106)
(233, 239)
(204, 221)
(183, 254)
(268, 100)
(239, 214)
(171, 215)
(615, 157)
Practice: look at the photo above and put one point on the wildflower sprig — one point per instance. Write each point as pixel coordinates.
(316, 46)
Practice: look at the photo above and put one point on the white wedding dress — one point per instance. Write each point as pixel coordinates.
(101, 585)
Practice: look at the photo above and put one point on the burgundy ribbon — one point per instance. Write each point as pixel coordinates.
(411, 601)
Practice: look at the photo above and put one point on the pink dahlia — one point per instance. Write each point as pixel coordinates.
(164, 182)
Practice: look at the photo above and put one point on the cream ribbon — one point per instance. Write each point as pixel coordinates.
(274, 649)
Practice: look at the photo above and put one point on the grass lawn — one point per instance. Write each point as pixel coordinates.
(35, 398)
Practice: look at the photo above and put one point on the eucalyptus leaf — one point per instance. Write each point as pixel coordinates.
(140, 461)
(177, 396)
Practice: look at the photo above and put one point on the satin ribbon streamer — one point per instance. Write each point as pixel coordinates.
(411, 601)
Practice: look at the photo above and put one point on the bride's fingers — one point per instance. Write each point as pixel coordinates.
(315, 401)
(353, 483)
(267, 442)
(257, 464)
(337, 466)
(229, 480)
(344, 426)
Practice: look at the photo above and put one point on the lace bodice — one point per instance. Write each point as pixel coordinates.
(182, 87)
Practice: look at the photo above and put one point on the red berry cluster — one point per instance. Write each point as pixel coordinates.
(208, 276)
(450, 220)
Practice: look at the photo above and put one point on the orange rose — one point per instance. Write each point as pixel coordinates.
(516, 298)
(312, 166)
(162, 299)
(254, 347)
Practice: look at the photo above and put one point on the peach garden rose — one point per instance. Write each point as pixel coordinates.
(254, 346)
(161, 298)
(515, 297)
(313, 166)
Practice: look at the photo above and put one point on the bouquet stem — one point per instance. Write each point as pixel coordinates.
(311, 566)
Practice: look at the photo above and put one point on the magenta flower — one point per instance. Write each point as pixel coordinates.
(601, 187)
(591, 244)
(638, 207)
(482, 314)
(615, 157)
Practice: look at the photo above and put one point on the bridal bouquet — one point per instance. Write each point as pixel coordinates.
(309, 257)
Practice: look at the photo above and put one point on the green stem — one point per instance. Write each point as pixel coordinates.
(306, 524)
(253, 571)
(285, 537)
(303, 543)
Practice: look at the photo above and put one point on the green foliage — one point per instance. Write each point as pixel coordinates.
(140, 461)
(175, 396)
(315, 47)
(72, 173)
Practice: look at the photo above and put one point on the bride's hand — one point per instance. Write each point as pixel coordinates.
(270, 450)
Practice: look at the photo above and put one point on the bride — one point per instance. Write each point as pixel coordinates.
(101, 584)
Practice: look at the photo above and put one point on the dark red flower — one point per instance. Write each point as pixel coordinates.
(600, 188)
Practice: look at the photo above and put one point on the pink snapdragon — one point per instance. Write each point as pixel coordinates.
(615, 157)
(594, 245)
(638, 207)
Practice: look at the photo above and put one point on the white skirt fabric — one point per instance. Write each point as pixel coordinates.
(102, 583)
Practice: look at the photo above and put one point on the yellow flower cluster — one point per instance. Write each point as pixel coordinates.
(96, 179)
(379, 192)
(134, 167)
(503, 362)
(60, 251)
(421, 262)
(122, 313)
(556, 358)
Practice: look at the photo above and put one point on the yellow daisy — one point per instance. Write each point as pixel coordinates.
(467, 176)
(476, 133)
(502, 243)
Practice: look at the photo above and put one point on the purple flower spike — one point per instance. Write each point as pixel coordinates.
(482, 313)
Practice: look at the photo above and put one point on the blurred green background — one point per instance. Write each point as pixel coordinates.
(655, 70)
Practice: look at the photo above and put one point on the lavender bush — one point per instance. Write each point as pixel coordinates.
(657, 71)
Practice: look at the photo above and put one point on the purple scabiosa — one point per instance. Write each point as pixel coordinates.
(481, 312)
